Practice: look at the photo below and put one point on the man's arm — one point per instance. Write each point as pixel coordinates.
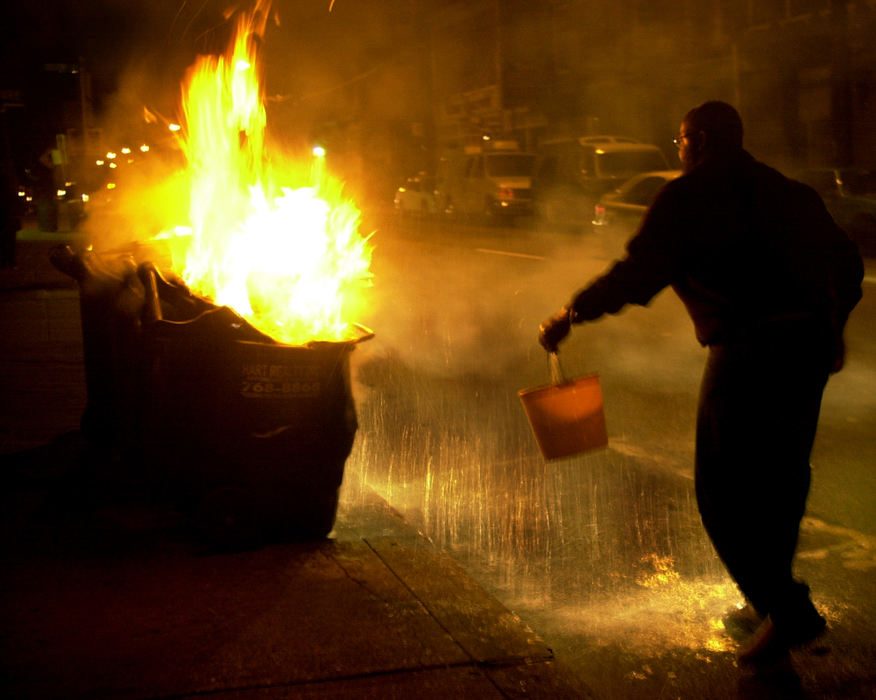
(649, 266)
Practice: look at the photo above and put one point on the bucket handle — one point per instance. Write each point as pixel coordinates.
(556, 369)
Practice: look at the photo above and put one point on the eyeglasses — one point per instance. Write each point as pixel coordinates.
(678, 140)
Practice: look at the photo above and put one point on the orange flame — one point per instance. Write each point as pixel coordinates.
(290, 261)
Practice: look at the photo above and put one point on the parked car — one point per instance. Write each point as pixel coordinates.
(623, 209)
(417, 196)
(573, 173)
(850, 197)
(487, 182)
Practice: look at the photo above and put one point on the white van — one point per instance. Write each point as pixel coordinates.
(573, 173)
(487, 182)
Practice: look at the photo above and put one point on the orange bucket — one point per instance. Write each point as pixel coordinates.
(566, 417)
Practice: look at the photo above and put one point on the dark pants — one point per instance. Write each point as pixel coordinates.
(758, 411)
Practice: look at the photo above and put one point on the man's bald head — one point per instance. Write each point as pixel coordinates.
(719, 121)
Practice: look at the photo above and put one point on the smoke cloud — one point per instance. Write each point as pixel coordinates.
(456, 306)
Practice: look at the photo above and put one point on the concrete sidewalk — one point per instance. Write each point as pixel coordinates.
(122, 601)
(115, 596)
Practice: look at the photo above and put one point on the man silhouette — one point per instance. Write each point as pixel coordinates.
(769, 280)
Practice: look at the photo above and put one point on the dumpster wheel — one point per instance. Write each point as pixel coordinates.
(227, 519)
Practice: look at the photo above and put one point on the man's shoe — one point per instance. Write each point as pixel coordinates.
(741, 621)
(770, 643)
(763, 646)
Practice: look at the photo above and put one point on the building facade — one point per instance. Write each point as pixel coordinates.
(801, 72)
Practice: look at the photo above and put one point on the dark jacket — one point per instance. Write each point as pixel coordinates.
(745, 248)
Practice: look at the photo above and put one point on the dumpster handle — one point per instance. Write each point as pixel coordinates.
(152, 308)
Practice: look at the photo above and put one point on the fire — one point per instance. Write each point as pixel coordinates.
(290, 261)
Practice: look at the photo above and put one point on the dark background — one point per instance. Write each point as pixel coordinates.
(388, 86)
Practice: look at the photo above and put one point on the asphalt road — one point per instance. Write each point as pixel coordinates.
(603, 554)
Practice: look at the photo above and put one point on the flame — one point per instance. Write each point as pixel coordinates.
(290, 261)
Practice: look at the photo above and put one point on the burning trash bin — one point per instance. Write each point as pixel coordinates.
(251, 432)
(232, 386)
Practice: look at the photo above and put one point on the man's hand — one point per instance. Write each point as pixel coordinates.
(554, 329)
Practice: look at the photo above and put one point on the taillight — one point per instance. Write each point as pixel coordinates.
(506, 193)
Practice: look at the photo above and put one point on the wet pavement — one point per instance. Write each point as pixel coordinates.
(588, 577)
(604, 553)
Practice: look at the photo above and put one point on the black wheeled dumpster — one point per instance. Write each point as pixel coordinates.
(250, 433)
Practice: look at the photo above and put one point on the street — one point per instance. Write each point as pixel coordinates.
(603, 555)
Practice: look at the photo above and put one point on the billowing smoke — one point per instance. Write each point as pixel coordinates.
(474, 308)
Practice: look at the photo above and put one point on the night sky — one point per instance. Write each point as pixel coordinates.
(111, 36)
(136, 53)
